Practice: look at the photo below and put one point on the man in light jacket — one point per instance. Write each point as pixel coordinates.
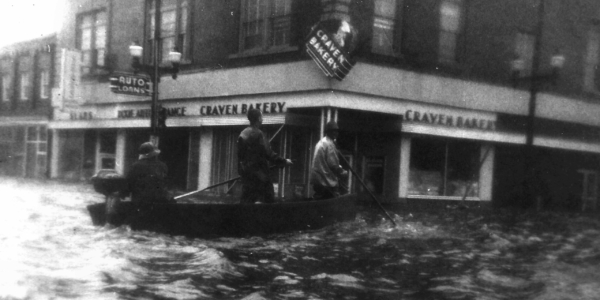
(326, 165)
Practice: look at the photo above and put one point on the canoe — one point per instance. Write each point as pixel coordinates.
(228, 219)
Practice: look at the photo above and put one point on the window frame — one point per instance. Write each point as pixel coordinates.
(44, 84)
(267, 32)
(6, 87)
(97, 61)
(25, 85)
(450, 186)
(181, 35)
(524, 48)
(391, 21)
(591, 71)
(445, 54)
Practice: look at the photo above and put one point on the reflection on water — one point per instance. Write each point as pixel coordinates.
(51, 250)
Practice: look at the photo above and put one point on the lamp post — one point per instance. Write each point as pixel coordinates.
(154, 69)
(535, 80)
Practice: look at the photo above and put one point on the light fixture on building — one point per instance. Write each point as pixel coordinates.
(136, 51)
(158, 115)
(517, 66)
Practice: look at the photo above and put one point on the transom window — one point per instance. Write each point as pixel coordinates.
(265, 24)
(92, 40)
(450, 26)
(174, 31)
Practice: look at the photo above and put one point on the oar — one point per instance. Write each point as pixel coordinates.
(226, 181)
(366, 188)
(208, 187)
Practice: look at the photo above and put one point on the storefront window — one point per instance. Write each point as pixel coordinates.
(444, 168)
(108, 149)
(374, 173)
(224, 165)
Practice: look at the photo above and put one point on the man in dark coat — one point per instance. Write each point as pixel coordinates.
(254, 155)
(146, 177)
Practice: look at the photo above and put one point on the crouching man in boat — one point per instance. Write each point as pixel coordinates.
(146, 177)
(326, 165)
(254, 155)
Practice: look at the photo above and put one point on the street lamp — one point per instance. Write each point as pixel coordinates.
(517, 66)
(155, 71)
(535, 79)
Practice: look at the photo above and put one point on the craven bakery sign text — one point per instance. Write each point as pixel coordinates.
(447, 120)
(234, 109)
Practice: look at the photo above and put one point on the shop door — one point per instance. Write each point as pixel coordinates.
(174, 147)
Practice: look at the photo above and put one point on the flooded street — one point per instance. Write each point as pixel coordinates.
(50, 250)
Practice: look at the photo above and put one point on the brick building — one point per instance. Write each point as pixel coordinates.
(431, 109)
(27, 72)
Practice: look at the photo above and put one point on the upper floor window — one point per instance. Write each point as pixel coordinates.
(174, 28)
(91, 40)
(25, 86)
(383, 27)
(6, 83)
(25, 66)
(591, 79)
(450, 27)
(44, 65)
(265, 24)
(524, 44)
(45, 84)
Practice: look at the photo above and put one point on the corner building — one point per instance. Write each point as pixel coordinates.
(430, 111)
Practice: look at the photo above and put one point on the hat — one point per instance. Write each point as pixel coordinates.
(148, 150)
(254, 114)
(331, 126)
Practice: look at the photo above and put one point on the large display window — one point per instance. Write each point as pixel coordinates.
(444, 167)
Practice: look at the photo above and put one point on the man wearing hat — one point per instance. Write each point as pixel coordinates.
(326, 165)
(146, 177)
(254, 155)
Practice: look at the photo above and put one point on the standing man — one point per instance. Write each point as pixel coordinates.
(254, 155)
(326, 165)
(146, 178)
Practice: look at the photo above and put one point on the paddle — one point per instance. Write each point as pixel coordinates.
(366, 188)
(226, 181)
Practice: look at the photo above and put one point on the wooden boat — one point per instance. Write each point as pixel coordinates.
(222, 219)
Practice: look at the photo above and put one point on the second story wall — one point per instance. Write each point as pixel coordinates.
(26, 78)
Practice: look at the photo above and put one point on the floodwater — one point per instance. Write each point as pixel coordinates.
(50, 250)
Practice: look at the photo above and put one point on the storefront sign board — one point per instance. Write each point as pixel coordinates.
(130, 84)
(327, 53)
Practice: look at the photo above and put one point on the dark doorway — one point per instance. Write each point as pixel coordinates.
(174, 146)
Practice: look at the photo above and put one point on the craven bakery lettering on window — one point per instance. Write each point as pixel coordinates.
(447, 120)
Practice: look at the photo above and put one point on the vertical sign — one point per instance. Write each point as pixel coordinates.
(67, 95)
(328, 44)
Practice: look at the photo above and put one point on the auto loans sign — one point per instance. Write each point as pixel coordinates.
(130, 84)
